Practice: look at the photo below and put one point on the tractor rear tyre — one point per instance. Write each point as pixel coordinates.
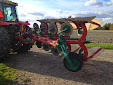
(5, 42)
(77, 61)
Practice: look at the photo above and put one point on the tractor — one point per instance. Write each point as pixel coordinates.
(14, 34)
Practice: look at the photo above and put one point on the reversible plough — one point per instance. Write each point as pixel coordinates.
(60, 42)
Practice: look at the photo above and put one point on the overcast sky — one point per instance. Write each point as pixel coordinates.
(31, 10)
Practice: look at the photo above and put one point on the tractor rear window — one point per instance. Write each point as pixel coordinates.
(0, 6)
(9, 13)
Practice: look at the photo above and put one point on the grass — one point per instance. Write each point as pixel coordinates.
(104, 46)
(26, 80)
(7, 75)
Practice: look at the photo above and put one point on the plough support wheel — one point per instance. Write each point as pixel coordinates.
(77, 61)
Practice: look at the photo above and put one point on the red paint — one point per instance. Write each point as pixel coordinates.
(83, 37)
(1, 15)
(57, 30)
(44, 39)
(85, 51)
(69, 47)
(47, 28)
(94, 54)
(96, 23)
(77, 49)
(3, 23)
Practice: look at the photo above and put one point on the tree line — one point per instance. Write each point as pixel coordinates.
(107, 26)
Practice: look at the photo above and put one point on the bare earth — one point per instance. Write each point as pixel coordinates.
(43, 68)
(98, 36)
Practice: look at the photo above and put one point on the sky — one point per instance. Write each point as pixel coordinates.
(32, 10)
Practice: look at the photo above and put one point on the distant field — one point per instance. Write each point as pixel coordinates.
(98, 30)
(97, 36)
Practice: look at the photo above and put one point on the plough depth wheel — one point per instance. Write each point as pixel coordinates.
(76, 60)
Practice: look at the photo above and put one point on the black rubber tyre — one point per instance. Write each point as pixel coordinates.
(76, 60)
(5, 42)
(46, 47)
(24, 48)
(55, 51)
(38, 44)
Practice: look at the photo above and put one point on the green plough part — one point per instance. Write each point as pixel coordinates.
(62, 46)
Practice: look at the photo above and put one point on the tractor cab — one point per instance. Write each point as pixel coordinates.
(8, 9)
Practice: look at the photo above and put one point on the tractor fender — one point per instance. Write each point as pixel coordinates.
(3, 23)
(24, 23)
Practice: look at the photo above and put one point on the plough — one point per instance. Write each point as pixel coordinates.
(60, 43)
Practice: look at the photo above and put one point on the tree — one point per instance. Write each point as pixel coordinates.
(106, 26)
(99, 28)
(111, 27)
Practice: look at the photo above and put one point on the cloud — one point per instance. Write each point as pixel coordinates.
(93, 3)
(49, 17)
(107, 19)
(109, 3)
(94, 13)
(32, 10)
(62, 11)
(22, 15)
(37, 14)
(104, 16)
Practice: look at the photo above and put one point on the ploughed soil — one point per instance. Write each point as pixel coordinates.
(98, 36)
(39, 67)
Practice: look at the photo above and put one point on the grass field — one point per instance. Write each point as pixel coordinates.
(7, 75)
(104, 46)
